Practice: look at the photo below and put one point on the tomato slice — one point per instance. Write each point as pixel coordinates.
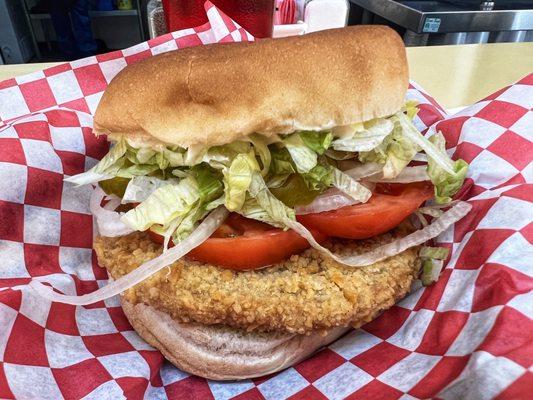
(243, 244)
(388, 206)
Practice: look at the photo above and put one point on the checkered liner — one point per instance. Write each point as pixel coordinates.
(468, 336)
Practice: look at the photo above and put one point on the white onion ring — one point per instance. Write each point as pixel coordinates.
(420, 157)
(209, 225)
(112, 202)
(416, 238)
(407, 175)
(363, 170)
(107, 221)
(331, 199)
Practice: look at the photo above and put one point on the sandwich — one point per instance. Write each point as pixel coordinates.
(260, 199)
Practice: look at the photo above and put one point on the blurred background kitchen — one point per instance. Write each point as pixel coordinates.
(57, 30)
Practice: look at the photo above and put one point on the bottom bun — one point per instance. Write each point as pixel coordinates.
(219, 352)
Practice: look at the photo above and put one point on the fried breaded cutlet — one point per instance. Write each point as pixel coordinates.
(305, 293)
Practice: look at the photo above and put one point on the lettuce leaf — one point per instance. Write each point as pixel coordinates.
(446, 184)
(237, 180)
(164, 205)
(411, 109)
(346, 184)
(436, 253)
(220, 157)
(395, 153)
(251, 209)
(319, 142)
(277, 181)
(188, 223)
(302, 156)
(319, 178)
(275, 208)
(370, 137)
(136, 170)
(107, 168)
(281, 162)
(141, 187)
(209, 181)
(410, 132)
(261, 148)
(431, 269)
(432, 263)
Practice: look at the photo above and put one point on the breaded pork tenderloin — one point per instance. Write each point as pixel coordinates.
(302, 294)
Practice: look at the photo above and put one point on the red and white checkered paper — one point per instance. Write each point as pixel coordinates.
(468, 336)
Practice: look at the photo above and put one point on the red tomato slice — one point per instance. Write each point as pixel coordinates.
(388, 206)
(243, 244)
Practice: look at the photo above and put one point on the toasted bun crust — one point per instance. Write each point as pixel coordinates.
(215, 94)
(220, 352)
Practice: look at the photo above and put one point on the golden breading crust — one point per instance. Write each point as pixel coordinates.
(305, 293)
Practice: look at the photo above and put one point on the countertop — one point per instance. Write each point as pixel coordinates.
(456, 76)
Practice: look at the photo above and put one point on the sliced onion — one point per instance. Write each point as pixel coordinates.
(331, 199)
(197, 237)
(350, 186)
(108, 221)
(408, 175)
(435, 210)
(420, 157)
(421, 218)
(416, 238)
(363, 170)
(112, 202)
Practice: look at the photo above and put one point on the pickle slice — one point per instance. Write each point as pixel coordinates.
(116, 186)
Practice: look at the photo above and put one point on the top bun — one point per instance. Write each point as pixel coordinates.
(216, 94)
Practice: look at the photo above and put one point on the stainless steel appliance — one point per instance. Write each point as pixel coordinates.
(429, 22)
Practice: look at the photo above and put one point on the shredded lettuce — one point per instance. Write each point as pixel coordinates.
(164, 205)
(446, 184)
(265, 178)
(220, 157)
(410, 132)
(261, 147)
(430, 271)
(395, 152)
(319, 142)
(350, 186)
(410, 108)
(367, 139)
(185, 227)
(432, 263)
(281, 162)
(304, 158)
(237, 180)
(437, 253)
(319, 178)
(209, 182)
(141, 187)
(275, 208)
(253, 210)
(107, 168)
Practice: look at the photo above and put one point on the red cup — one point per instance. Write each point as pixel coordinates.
(256, 16)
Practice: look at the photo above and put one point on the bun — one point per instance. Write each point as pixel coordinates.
(215, 94)
(219, 352)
